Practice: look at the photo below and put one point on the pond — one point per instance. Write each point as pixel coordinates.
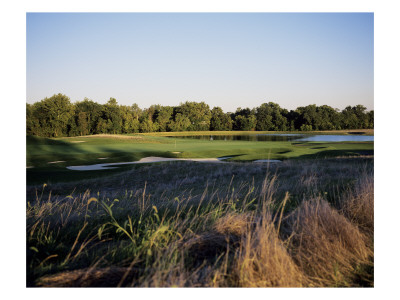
(282, 137)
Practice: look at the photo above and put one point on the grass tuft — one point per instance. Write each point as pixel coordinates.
(309, 224)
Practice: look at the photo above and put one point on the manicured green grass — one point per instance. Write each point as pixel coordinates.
(122, 148)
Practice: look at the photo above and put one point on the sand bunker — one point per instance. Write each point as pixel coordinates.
(145, 160)
(77, 141)
(56, 162)
(153, 159)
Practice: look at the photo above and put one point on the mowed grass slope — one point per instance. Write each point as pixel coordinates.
(42, 152)
(87, 149)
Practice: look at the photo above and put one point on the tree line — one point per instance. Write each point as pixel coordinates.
(57, 116)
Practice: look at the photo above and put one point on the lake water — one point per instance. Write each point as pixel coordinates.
(282, 137)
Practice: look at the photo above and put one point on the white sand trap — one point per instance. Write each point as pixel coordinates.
(145, 160)
(103, 158)
(176, 152)
(29, 167)
(267, 161)
(154, 159)
(56, 162)
(77, 141)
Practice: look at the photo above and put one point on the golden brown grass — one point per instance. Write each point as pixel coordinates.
(246, 250)
(209, 242)
(358, 205)
(327, 247)
(234, 224)
(263, 260)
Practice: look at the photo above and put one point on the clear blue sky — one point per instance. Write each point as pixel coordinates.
(229, 60)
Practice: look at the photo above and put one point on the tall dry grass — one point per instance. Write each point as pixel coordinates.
(262, 260)
(358, 205)
(326, 246)
(239, 238)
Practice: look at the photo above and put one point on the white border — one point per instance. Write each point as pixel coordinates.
(13, 78)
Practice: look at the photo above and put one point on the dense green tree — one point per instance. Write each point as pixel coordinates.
(264, 116)
(245, 112)
(292, 118)
(130, 124)
(112, 113)
(199, 115)
(41, 118)
(147, 125)
(32, 121)
(101, 126)
(163, 116)
(136, 111)
(349, 118)
(328, 118)
(305, 127)
(220, 120)
(245, 123)
(270, 116)
(244, 119)
(309, 116)
(146, 120)
(89, 110)
(181, 123)
(131, 115)
(370, 115)
(151, 112)
(362, 117)
(55, 115)
(83, 123)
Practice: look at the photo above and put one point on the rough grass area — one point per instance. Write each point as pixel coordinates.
(297, 224)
